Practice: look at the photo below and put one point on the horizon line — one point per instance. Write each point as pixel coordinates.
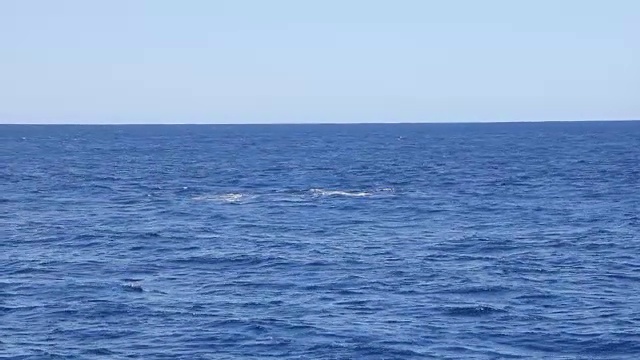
(310, 123)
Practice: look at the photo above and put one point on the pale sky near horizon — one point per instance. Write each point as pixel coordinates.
(236, 61)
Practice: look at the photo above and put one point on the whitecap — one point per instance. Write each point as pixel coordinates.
(323, 192)
(386, 190)
(224, 198)
(133, 285)
(232, 197)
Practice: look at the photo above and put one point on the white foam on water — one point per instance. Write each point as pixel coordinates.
(323, 192)
(232, 197)
(223, 198)
(386, 190)
(239, 198)
(133, 286)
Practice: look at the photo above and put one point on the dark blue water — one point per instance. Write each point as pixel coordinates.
(320, 242)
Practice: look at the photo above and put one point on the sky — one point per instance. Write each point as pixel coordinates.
(290, 61)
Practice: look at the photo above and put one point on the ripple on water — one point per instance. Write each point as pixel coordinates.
(323, 242)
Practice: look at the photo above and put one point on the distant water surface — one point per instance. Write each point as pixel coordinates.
(459, 241)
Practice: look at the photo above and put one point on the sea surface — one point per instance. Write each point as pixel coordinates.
(444, 241)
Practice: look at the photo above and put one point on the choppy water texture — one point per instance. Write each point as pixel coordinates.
(322, 242)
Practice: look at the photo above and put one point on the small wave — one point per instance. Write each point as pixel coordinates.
(323, 192)
(99, 351)
(224, 198)
(134, 285)
(386, 190)
(239, 198)
(478, 310)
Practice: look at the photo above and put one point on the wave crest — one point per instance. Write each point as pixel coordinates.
(295, 196)
(225, 198)
(323, 192)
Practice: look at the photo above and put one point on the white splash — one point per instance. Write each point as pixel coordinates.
(323, 192)
(386, 190)
(232, 197)
(224, 198)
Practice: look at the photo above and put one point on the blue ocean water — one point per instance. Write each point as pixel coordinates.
(457, 241)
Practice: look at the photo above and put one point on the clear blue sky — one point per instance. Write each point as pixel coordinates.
(231, 61)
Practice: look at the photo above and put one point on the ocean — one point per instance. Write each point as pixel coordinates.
(405, 241)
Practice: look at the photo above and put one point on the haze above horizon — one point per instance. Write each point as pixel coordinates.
(286, 61)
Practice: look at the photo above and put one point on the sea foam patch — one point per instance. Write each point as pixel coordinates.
(224, 198)
(326, 192)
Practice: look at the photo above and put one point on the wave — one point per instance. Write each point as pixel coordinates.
(323, 192)
(134, 285)
(224, 198)
(291, 196)
(477, 310)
